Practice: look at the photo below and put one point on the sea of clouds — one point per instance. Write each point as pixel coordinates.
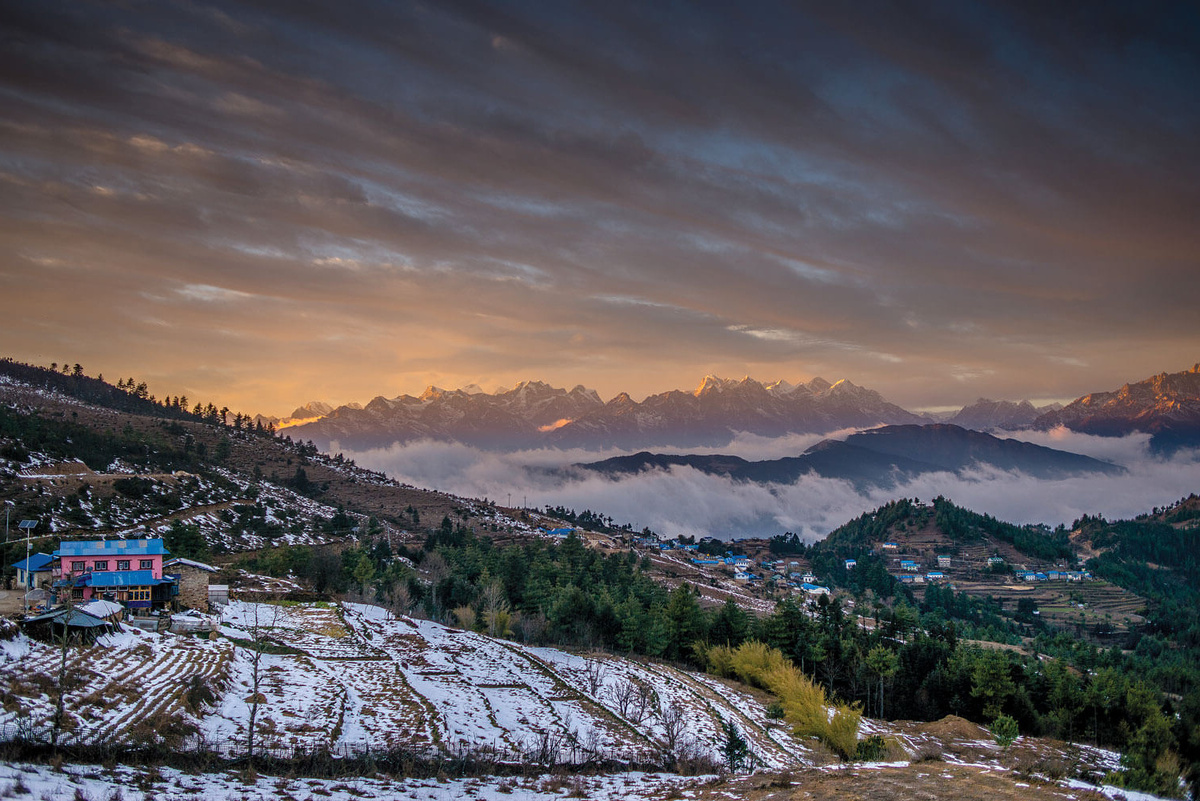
(682, 500)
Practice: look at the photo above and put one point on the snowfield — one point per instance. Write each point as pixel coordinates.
(94, 783)
(354, 679)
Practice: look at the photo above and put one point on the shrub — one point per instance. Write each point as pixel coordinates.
(842, 732)
(198, 693)
(872, 749)
(753, 662)
(719, 659)
(1005, 730)
(928, 752)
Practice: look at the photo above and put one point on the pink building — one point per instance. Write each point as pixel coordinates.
(126, 571)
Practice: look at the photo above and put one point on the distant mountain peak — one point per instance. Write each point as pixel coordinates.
(712, 383)
(310, 410)
(818, 384)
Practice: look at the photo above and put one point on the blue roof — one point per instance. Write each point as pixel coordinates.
(120, 578)
(112, 548)
(36, 562)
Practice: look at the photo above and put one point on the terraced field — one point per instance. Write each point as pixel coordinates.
(132, 681)
(356, 677)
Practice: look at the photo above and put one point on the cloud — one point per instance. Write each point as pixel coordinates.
(682, 500)
(619, 196)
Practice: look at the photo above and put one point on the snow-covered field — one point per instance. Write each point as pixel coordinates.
(353, 678)
(94, 783)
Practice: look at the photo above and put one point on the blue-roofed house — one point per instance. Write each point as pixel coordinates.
(32, 571)
(126, 571)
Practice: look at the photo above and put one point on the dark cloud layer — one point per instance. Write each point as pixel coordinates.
(266, 202)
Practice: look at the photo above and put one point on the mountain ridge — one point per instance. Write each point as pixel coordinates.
(536, 414)
(878, 457)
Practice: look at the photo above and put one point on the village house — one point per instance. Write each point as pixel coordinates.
(943, 561)
(192, 578)
(127, 571)
(909, 565)
(33, 571)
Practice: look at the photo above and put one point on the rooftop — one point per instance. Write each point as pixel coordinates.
(112, 548)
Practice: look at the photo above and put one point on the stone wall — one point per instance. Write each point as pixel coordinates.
(193, 587)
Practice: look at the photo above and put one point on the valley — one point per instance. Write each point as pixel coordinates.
(367, 615)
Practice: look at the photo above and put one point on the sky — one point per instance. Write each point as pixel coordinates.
(266, 203)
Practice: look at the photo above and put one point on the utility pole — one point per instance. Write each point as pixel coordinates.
(29, 526)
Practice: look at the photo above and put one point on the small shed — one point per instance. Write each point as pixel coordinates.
(218, 594)
(80, 626)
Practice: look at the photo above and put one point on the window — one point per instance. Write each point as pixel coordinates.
(122, 564)
(101, 564)
(77, 567)
(146, 564)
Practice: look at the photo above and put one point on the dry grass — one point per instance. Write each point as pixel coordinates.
(921, 782)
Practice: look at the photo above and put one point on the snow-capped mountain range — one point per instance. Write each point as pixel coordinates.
(536, 414)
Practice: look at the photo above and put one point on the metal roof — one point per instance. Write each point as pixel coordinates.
(191, 563)
(113, 548)
(120, 578)
(36, 562)
(77, 619)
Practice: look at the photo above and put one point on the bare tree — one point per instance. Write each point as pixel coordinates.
(644, 702)
(61, 684)
(400, 599)
(493, 601)
(259, 639)
(633, 698)
(673, 723)
(593, 673)
(623, 693)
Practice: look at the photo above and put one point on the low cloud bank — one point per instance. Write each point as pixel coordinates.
(682, 500)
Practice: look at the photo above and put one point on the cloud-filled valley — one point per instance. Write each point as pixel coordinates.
(682, 500)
